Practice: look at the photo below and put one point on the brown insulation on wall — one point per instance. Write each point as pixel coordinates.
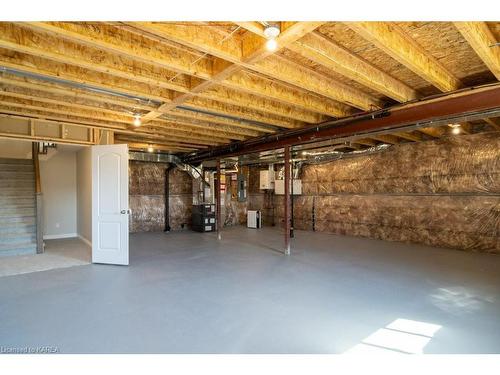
(443, 193)
(147, 197)
(260, 199)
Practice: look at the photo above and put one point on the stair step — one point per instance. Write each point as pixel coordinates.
(16, 212)
(16, 238)
(17, 167)
(19, 200)
(15, 161)
(18, 192)
(17, 175)
(19, 229)
(18, 249)
(10, 222)
(11, 183)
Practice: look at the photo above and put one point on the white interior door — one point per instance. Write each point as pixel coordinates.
(110, 213)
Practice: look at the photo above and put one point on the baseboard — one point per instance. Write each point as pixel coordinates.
(58, 236)
(89, 243)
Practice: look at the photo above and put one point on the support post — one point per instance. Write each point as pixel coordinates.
(218, 200)
(287, 200)
(292, 223)
(167, 197)
(38, 198)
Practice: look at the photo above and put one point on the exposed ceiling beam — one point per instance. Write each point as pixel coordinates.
(35, 65)
(255, 83)
(292, 74)
(473, 103)
(124, 68)
(42, 111)
(249, 51)
(493, 122)
(391, 39)
(79, 99)
(295, 74)
(437, 132)
(237, 111)
(108, 38)
(331, 55)
(104, 41)
(49, 120)
(387, 138)
(482, 41)
(143, 81)
(410, 136)
(214, 118)
(155, 146)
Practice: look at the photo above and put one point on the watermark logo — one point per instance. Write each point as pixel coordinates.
(29, 349)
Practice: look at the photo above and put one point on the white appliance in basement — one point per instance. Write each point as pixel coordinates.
(254, 219)
(279, 187)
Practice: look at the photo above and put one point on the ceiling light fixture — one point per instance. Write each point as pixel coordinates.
(137, 120)
(271, 32)
(455, 128)
(272, 45)
(150, 148)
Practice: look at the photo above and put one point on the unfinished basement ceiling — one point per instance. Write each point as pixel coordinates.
(201, 84)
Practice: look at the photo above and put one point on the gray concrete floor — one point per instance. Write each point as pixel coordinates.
(186, 292)
(60, 253)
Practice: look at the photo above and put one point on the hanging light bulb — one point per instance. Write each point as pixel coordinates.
(137, 120)
(455, 129)
(271, 32)
(150, 148)
(271, 45)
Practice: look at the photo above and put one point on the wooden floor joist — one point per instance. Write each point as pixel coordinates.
(197, 85)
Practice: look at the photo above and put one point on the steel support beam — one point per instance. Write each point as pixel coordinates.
(468, 104)
(287, 200)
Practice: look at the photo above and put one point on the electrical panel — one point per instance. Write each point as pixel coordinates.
(242, 187)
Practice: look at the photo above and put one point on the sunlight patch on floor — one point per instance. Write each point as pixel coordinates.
(402, 336)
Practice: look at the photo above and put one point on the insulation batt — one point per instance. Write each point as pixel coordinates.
(443, 193)
(147, 197)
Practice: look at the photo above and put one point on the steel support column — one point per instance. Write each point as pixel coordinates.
(287, 200)
(218, 208)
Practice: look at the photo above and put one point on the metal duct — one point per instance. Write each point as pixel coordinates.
(83, 86)
(167, 158)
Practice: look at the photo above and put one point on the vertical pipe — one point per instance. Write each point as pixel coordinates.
(167, 197)
(218, 200)
(292, 223)
(287, 200)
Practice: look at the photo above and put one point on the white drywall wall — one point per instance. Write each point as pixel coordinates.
(58, 178)
(14, 149)
(84, 194)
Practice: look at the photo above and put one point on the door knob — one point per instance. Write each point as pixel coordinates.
(126, 212)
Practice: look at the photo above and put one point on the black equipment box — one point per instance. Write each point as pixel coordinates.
(203, 218)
